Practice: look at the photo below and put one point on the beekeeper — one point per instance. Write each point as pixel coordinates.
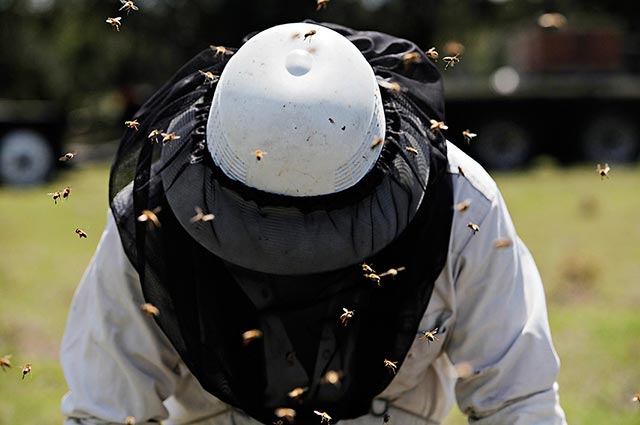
(307, 248)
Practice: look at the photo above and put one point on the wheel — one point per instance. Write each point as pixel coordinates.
(503, 145)
(610, 138)
(26, 157)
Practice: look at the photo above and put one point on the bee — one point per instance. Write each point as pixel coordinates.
(393, 366)
(451, 60)
(344, 317)
(430, 336)
(67, 156)
(367, 268)
(66, 192)
(154, 135)
(322, 4)
(410, 58)
(81, 233)
(128, 5)
(150, 309)
(389, 85)
(376, 142)
(474, 227)
(5, 363)
(259, 154)
(250, 335)
(220, 50)
(331, 121)
(285, 412)
(309, 34)
(132, 124)
(373, 277)
(130, 420)
(438, 125)
(604, 172)
(168, 137)
(386, 418)
(114, 22)
(332, 377)
(297, 392)
(55, 196)
(411, 150)
(201, 216)
(462, 206)
(502, 243)
(461, 171)
(324, 417)
(209, 77)
(636, 397)
(552, 20)
(468, 135)
(392, 272)
(26, 370)
(150, 216)
(432, 54)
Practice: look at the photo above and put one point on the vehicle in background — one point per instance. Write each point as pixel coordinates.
(30, 140)
(572, 93)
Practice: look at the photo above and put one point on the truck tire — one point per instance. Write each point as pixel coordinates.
(26, 157)
(610, 138)
(502, 144)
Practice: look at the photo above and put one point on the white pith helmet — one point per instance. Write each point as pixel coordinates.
(295, 112)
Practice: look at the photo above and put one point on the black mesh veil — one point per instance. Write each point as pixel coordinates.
(287, 266)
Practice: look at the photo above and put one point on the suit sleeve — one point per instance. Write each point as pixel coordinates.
(501, 342)
(116, 360)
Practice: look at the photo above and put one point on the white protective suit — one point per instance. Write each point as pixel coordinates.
(494, 353)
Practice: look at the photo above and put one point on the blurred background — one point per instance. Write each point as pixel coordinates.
(551, 88)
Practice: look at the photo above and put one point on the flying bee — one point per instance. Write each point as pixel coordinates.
(411, 58)
(604, 172)
(451, 60)
(324, 417)
(392, 272)
(26, 370)
(220, 50)
(636, 397)
(344, 317)
(393, 366)
(5, 363)
(169, 137)
(367, 268)
(322, 4)
(150, 216)
(386, 418)
(128, 5)
(438, 125)
(373, 277)
(132, 124)
(461, 171)
(209, 77)
(155, 134)
(55, 196)
(114, 22)
(411, 150)
(259, 154)
(376, 142)
(150, 309)
(66, 192)
(502, 243)
(332, 377)
(468, 135)
(309, 34)
(130, 420)
(81, 233)
(474, 227)
(430, 336)
(432, 54)
(285, 412)
(462, 206)
(389, 85)
(201, 216)
(67, 156)
(297, 392)
(250, 335)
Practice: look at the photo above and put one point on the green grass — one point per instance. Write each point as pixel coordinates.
(583, 232)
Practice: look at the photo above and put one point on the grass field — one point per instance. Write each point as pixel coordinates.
(583, 232)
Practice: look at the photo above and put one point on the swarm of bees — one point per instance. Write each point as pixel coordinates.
(114, 22)
(259, 154)
(344, 317)
(81, 233)
(201, 216)
(324, 417)
(5, 363)
(392, 366)
(67, 156)
(468, 135)
(251, 335)
(150, 216)
(322, 4)
(474, 227)
(26, 370)
(603, 171)
(150, 309)
(430, 336)
(132, 124)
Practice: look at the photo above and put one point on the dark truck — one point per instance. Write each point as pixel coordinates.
(30, 140)
(573, 94)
